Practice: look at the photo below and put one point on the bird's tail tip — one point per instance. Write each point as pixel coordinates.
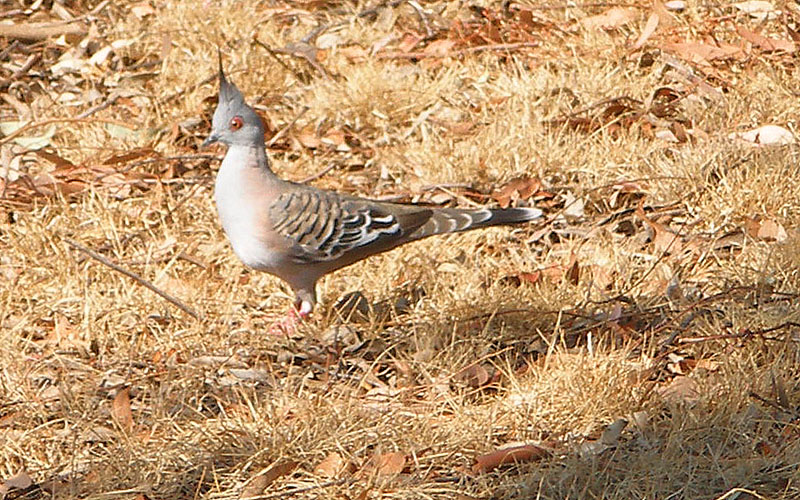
(519, 214)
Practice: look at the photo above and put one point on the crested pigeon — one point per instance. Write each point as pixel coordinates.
(299, 233)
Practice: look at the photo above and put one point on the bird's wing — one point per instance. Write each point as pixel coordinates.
(324, 226)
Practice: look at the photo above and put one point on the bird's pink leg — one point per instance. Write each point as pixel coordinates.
(296, 314)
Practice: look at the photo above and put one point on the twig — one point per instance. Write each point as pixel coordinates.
(319, 174)
(275, 56)
(41, 31)
(135, 277)
(468, 50)
(423, 19)
(32, 59)
(286, 127)
(99, 107)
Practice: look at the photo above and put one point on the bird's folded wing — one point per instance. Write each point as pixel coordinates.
(324, 226)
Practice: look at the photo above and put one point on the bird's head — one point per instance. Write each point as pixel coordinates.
(234, 122)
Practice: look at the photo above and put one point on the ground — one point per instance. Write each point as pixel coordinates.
(639, 342)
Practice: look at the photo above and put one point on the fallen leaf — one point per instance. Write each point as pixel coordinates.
(647, 32)
(765, 229)
(474, 375)
(19, 481)
(308, 137)
(614, 17)
(765, 135)
(675, 5)
(388, 464)
(511, 454)
(520, 188)
(573, 206)
(28, 142)
(636, 189)
(664, 240)
(703, 53)
(573, 274)
(328, 40)
(118, 131)
(758, 9)
(121, 409)
(256, 485)
(439, 48)
(142, 10)
(408, 42)
(681, 389)
(332, 466)
(765, 43)
(354, 53)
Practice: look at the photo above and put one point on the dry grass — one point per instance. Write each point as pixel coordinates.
(215, 401)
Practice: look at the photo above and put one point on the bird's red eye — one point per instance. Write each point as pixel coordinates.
(236, 123)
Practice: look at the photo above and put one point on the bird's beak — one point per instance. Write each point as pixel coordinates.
(211, 139)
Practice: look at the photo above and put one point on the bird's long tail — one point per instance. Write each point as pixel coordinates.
(454, 220)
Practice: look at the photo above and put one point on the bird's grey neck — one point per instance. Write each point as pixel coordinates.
(256, 155)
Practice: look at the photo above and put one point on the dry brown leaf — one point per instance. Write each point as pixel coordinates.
(354, 53)
(766, 44)
(439, 48)
(121, 409)
(766, 229)
(681, 389)
(647, 32)
(510, 455)
(573, 274)
(758, 9)
(142, 10)
(765, 135)
(703, 53)
(19, 481)
(256, 486)
(334, 137)
(388, 464)
(474, 375)
(308, 137)
(332, 466)
(520, 188)
(614, 17)
(408, 42)
(664, 240)
(637, 189)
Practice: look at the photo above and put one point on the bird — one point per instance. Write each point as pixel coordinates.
(300, 233)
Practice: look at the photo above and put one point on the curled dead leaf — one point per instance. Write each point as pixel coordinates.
(387, 464)
(19, 481)
(121, 409)
(354, 53)
(511, 454)
(765, 229)
(439, 48)
(613, 18)
(520, 188)
(256, 486)
(474, 376)
(334, 465)
(766, 135)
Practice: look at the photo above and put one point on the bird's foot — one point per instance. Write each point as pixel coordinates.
(296, 314)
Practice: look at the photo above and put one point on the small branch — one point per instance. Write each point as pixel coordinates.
(319, 174)
(135, 277)
(32, 59)
(289, 125)
(99, 107)
(40, 31)
(468, 50)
